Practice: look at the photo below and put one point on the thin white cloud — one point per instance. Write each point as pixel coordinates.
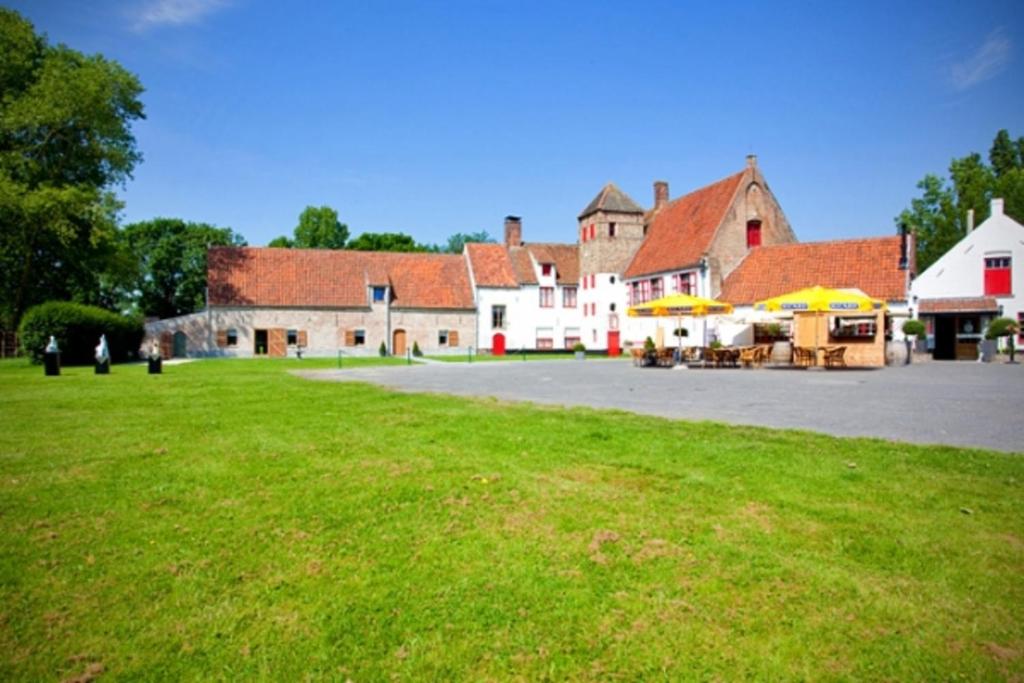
(986, 62)
(157, 13)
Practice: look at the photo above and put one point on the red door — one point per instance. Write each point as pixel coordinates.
(498, 344)
(613, 344)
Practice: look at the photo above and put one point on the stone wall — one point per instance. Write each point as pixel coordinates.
(605, 254)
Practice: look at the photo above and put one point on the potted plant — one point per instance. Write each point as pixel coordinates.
(1004, 327)
(579, 350)
(912, 330)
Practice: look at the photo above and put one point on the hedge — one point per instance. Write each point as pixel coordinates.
(78, 328)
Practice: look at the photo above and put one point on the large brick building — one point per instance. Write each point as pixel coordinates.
(729, 239)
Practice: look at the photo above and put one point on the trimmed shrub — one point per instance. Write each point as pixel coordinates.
(416, 349)
(77, 328)
(1001, 327)
(914, 328)
(578, 347)
(680, 332)
(383, 350)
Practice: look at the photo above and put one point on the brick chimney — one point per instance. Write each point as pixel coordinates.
(751, 161)
(513, 231)
(660, 193)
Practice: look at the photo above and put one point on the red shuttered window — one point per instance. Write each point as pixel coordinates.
(998, 276)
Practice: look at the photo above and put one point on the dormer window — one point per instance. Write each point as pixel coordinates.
(545, 269)
(753, 234)
(378, 294)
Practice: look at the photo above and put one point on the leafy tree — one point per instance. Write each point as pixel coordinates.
(459, 240)
(170, 258)
(939, 216)
(318, 228)
(65, 141)
(386, 241)
(281, 242)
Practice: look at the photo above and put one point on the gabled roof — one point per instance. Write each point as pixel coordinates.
(491, 264)
(255, 276)
(870, 265)
(680, 232)
(611, 198)
(522, 265)
(566, 258)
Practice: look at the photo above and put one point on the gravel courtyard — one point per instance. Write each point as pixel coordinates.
(962, 404)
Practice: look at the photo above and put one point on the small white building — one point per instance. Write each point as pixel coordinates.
(970, 285)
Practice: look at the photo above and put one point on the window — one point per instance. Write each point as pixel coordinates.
(611, 307)
(572, 337)
(585, 278)
(232, 337)
(569, 297)
(583, 233)
(545, 269)
(359, 338)
(1020, 327)
(593, 309)
(592, 233)
(547, 297)
(611, 229)
(545, 338)
(593, 281)
(442, 338)
(378, 294)
(498, 317)
(293, 337)
(997, 276)
(753, 234)
(685, 283)
(657, 290)
(612, 279)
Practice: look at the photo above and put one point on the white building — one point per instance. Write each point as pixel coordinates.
(971, 284)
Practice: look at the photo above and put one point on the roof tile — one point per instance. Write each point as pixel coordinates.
(870, 265)
(492, 266)
(679, 233)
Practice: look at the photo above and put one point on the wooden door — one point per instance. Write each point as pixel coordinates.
(277, 346)
(398, 345)
(498, 344)
(180, 344)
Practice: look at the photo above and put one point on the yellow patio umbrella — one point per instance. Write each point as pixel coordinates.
(679, 305)
(819, 300)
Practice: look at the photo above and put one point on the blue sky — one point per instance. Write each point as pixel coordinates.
(438, 117)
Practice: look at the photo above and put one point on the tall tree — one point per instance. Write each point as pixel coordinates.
(318, 228)
(386, 241)
(939, 216)
(170, 258)
(65, 142)
(459, 240)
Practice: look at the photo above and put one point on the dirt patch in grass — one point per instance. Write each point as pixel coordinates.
(601, 538)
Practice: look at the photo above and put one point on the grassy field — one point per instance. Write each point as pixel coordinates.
(511, 356)
(227, 520)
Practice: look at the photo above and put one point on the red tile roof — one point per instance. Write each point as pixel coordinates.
(980, 304)
(870, 265)
(680, 232)
(254, 276)
(523, 265)
(492, 266)
(566, 258)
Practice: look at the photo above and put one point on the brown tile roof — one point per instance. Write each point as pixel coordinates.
(870, 265)
(980, 304)
(254, 276)
(492, 266)
(679, 233)
(523, 265)
(566, 258)
(611, 198)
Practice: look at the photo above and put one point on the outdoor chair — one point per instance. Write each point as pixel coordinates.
(762, 355)
(666, 358)
(835, 357)
(639, 357)
(803, 357)
(749, 355)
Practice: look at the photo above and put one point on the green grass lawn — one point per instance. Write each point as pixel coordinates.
(511, 356)
(227, 520)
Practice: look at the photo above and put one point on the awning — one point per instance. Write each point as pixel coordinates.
(977, 304)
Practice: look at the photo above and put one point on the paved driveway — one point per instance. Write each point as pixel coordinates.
(964, 404)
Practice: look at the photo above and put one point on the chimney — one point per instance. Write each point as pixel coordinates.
(997, 207)
(660, 193)
(751, 161)
(513, 231)
(904, 255)
(970, 221)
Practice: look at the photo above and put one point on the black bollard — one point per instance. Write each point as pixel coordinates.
(51, 360)
(103, 368)
(156, 365)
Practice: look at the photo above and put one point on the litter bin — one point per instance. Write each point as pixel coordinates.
(51, 361)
